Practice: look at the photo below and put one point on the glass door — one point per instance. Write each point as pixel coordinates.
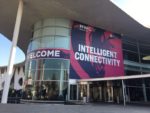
(82, 91)
(73, 92)
(96, 93)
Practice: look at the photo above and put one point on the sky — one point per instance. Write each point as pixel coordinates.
(5, 46)
(137, 9)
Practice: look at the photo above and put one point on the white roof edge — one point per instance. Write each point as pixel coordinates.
(116, 78)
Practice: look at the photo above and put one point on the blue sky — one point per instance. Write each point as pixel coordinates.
(5, 46)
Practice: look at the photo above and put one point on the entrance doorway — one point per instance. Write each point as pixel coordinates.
(96, 90)
(83, 91)
(105, 91)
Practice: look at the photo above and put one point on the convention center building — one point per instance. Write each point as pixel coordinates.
(79, 50)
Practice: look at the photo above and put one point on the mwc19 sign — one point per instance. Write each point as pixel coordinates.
(95, 53)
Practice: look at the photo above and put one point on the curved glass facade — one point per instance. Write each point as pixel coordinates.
(51, 33)
(47, 78)
(50, 42)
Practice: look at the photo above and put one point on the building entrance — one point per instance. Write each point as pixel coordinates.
(83, 91)
(73, 92)
(105, 91)
(96, 90)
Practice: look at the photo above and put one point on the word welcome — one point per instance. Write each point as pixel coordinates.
(43, 53)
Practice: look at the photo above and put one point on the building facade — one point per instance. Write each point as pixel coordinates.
(17, 82)
(65, 60)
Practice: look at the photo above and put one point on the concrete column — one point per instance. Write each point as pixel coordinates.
(88, 92)
(112, 92)
(68, 95)
(100, 93)
(61, 79)
(124, 94)
(12, 53)
(77, 91)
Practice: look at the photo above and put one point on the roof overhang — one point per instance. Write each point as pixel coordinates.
(115, 78)
(99, 13)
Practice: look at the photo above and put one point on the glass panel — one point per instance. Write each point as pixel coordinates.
(46, 90)
(31, 74)
(33, 64)
(48, 31)
(134, 82)
(52, 64)
(56, 64)
(39, 75)
(128, 55)
(56, 75)
(73, 92)
(47, 42)
(48, 69)
(83, 91)
(130, 47)
(60, 31)
(145, 49)
(51, 74)
(136, 94)
(36, 44)
(50, 42)
(62, 42)
(36, 91)
(132, 72)
(148, 93)
(147, 82)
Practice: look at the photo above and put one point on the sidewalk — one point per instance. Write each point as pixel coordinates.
(60, 108)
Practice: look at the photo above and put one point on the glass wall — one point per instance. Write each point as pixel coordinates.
(47, 78)
(133, 53)
(62, 42)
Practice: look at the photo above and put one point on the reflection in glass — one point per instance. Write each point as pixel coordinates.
(47, 90)
(48, 79)
(50, 42)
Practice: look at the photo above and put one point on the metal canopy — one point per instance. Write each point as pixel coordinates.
(116, 78)
(99, 13)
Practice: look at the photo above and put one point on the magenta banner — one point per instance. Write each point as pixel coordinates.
(95, 53)
(48, 53)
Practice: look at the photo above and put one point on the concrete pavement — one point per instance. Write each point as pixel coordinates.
(60, 108)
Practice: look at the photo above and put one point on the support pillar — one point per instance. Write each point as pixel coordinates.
(12, 53)
(61, 80)
(124, 94)
(88, 92)
(77, 91)
(144, 91)
(68, 94)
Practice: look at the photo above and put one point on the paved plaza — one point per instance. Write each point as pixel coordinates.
(60, 108)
